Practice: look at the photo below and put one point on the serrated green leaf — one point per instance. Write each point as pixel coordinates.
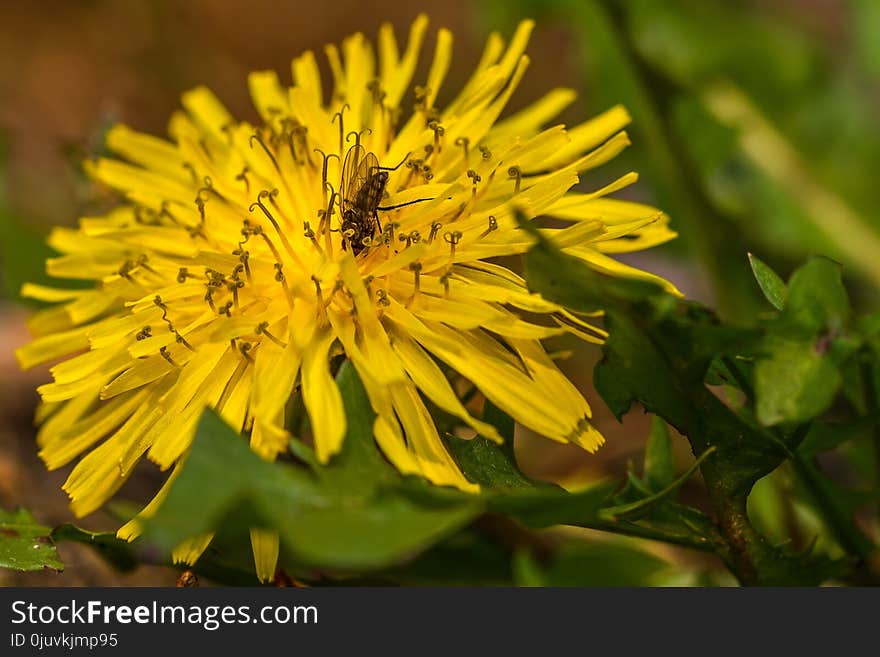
(532, 502)
(769, 281)
(25, 544)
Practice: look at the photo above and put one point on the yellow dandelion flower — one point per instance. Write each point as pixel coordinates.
(246, 257)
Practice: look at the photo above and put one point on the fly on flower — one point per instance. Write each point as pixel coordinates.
(362, 187)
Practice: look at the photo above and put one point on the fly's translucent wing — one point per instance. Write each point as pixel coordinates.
(368, 194)
(353, 175)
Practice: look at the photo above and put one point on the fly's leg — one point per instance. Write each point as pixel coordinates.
(403, 205)
(399, 164)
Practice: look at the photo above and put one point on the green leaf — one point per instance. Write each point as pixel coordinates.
(543, 507)
(488, 464)
(116, 552)
(25, 544)
(639, 508)
(798, 376)
(769, 281)
(326, 521)
(658, 352)
(659, 469)
(467, 558)
(825, 436)
(526, 571)
(816, 300)
(359, 466)
(768, 506)
(796, 383)
(506, 490)
(592, 564)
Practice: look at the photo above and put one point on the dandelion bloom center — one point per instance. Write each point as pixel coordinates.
(246, 258)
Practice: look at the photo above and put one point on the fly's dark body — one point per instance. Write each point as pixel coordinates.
(363, 185)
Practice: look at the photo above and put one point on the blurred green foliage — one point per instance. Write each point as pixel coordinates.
(754, 131)
(23, 251)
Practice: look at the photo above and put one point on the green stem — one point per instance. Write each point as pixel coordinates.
(836, 519)
(701, 543)
(749, 556)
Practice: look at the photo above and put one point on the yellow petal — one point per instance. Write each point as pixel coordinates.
(269, 97)
(429, 378)
(52, 346)
(322, 398)
(60, 447)
(191, 549)
(424, 442)
(146, 150)
(264, 543)
(307, 76)
(396, 80)
(439, 67)
(612, 267)
(207, 111)
(528, 121)
(590, 134)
